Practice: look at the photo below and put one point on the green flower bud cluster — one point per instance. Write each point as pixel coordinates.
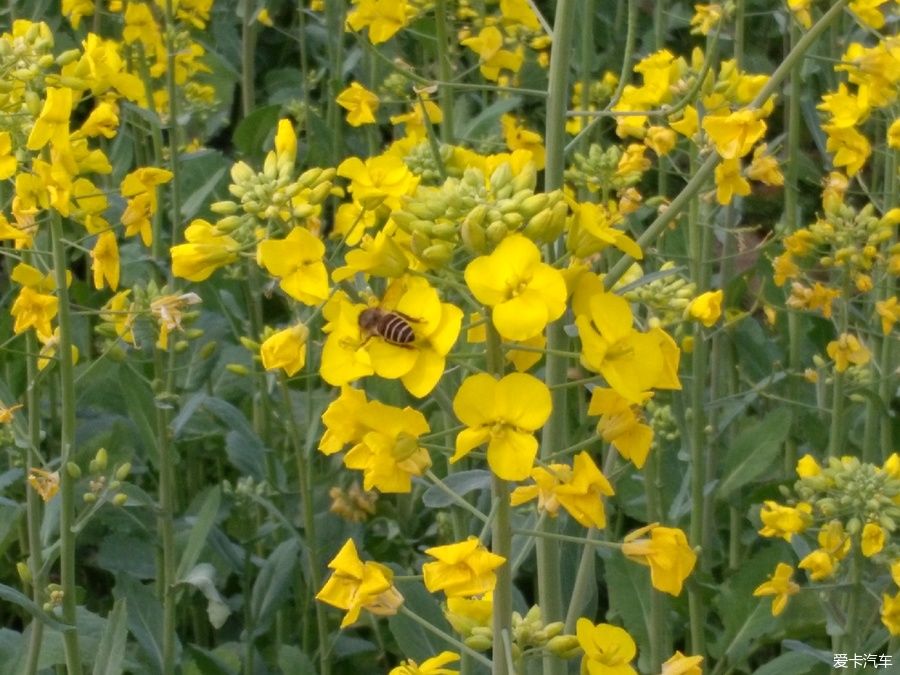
(25, 58)
(661, 419)
(54, 594)
(855, 493)
(530, 632)
(102, 484)
(275, 194)
(480, 213)
(599, 170)
(666, 294)
(851, 239)
(422, 162)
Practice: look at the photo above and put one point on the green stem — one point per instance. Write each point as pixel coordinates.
(445, 68)
(172, 89)
(583, 578)
(449, 639)
(248, 51)
(657, 624)
(165, 522)
(309, 524)
(67, 446)
(33, 508)
(548, 554)
(334, 23)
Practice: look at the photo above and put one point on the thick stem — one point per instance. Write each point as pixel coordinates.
(445, 67)
(67, 445)
(248, 51)
(172, 89)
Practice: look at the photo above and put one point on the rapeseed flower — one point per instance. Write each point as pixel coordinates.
(706, 307)
(383, 18)
(105, 260)
(379, 180)
(360, 104)
(285, 349)
(488, 44)
(735, 134)
(608, 649)
(504, 414)
(33, 309)
(784, 521)
(680, 664)
(206, 250)
(890, 612)
(433, 666)
(357, 585)
(297, 261)
(620, 425)
(52, 125)
(524, 293)
(780, 585)
(847, 349)
(666, 552)
(463, 569)
(730, 182)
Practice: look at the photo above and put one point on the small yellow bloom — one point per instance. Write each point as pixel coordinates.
(52, 125)
(873, 538)
(890, 612)
(433, 666)
(834, 540)
(734, 135)
(504, 414)
(820, 565)
(206, 251)
(462, 569)
(380, 180)
(297, 260)
(105, 260)
(620, 425)
(8, 161)
(730, 182)
(285, 349)
(517, 137)
(32, 309)
(706, 17)
(488, 44)
(6, 414)
(607, 649)
(360, 104)
(382, 17)
(889, 311)
(679, 664)
(784, 521)
(706, 308)
(850, 148)
(357, 585)
(781, 586)
(807, 466)
(893, 135)
(525, 293)
(847, 349)
(868, 12)
(666, 552)
(764, 167)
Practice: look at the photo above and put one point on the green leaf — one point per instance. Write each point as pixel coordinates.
(796, 663)
(270, 590)
(139, 402)
(628, 586)
(489, 116)
(754, 451)
(10, 594)
(291, 661)
(145, 619)
(203, 523)
(198, 198)
(111, 652)
(203, 578)
(461, 483)
(255, 128)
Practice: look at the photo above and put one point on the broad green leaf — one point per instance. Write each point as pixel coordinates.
(461, 483)
(203, 578)
(200, 196)
(270, 590)
(795, 663)
(9, 594)
(255, 128)
(139, 403)
(754, 451)
(489, 117)
(111, 652)
(291, 661)
(628, 585)
(145, 619)
(203, 522)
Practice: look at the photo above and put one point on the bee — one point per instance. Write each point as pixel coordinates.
(391, 326)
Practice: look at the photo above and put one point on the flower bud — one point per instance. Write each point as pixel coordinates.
(24, 572)
(123, 471)
(73, 470)
(98, 464)
(120, 499)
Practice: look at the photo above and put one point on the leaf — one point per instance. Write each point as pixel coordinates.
(111, 652)
(461, 483)
(198, 198)
(270, 590)
(754, 450)
(291, 661)
(139, 403)
(489, 116)
(628, 586)
(253, 130)
(145, 619)
(203, 523)
(795, 663)
(10, 594)
(203, 578)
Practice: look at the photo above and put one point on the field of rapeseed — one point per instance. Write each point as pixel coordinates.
(439, 337)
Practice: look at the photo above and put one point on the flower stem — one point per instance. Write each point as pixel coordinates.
(248, 51)
(67, 445)
(431, 628)
(172, 89)
(33, 501)
(445, 68)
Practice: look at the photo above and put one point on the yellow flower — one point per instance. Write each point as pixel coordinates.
(380, 257)
(432, 666)
(706, 308)
(502, 414)
(630, 362)
(807, 466)
(661, 140)
(764, 168)
(488, 44)
(608, 649)
(357, 585)
(893, 135)
(729, 181)
(734, 135)
(464, 614)
(890, 612)
(342, 421)
(679, 664)
(820, 565)
(75, 10)
(6, 414)
(834, 540)
(45, 483)
(517, 137)
(297, 261)
(578, 489)
(667, 552)
(8, 161)
(49, 343)
(620, 425)
(52, 125)
(32, 309)
(383, 18)
(706, 17)
(105, 257)
(380, 180)
(285, 349)
(868, 13)
(850, 148)
(689, 123)
(872, 541)
(800, 9)
(206, 251)
(593, 228)
(847, 110)
(780, 585)
(784, 521)
(525, 293)
(139, 187)
(116, 313)
(847, 349)
(889, 311)
(463, 569)
(360, 104)
(103, 121)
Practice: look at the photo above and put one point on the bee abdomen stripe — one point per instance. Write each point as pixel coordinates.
(397, 330)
